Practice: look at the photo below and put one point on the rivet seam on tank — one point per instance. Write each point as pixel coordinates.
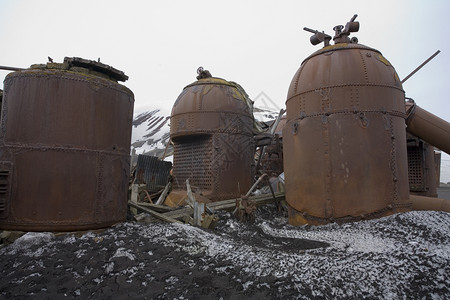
(356, 112)
(294, 128)
(366, 75)
(348, 85)
(297, 79)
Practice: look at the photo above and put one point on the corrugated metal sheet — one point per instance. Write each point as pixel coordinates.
(152, 171)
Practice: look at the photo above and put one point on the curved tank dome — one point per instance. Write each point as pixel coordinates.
(344, 141)
(212, 132)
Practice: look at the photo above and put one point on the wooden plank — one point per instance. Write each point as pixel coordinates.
(258, 199)
(228, 205)
(163, 195)
(154, 213)
(156, 207)
(134, 197)
(180, 213)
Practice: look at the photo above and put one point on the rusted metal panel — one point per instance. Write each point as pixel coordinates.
(212, 132)
(65, 141)
(344, 142)
(421, 168)
(153, 172)
(272, 161)
(437, 167)
(1, 99)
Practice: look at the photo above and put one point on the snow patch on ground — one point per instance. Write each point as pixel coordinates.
(122, 252)
(401, 256)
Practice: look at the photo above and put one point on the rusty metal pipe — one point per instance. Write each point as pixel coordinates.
(420, 67)
(429, 203)
(428, 127)
(10, 68)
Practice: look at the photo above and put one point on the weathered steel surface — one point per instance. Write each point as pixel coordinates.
(212, 132)
(272, 161)
(344, 141)
(65, 141)
(153, 172)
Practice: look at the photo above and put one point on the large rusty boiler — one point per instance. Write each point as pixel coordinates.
(64, 147)
(212, 133)
(344, 143)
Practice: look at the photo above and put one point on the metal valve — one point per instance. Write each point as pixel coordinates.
(340, 36)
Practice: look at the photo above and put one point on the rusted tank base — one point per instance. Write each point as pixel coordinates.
(298, 218)
(55, 228)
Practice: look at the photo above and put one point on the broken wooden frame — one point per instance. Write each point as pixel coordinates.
(171, 215)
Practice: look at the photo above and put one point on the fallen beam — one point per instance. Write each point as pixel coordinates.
(259, 200)
(227, 205)
(154, 213)
(156, 207)
(180, 213)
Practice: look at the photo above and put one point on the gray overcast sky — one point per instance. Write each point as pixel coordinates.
(259, 44)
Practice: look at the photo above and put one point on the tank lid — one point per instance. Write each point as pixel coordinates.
(77, 64)
(204, 77)
(96, 66)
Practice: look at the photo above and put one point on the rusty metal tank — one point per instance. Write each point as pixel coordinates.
(212, 132)
(64, 147)
(344, 143)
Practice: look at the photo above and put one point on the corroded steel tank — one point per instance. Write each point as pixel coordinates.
(344, 143)
(212, 132)
(64, 147)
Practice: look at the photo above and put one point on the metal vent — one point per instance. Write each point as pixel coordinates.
(4, 175)
(193, 160)
(415, 169)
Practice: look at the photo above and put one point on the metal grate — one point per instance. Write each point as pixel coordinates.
(3, 189)
(192, 159)
(415, 169)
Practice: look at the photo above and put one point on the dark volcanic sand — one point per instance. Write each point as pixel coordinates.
(401, 256)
